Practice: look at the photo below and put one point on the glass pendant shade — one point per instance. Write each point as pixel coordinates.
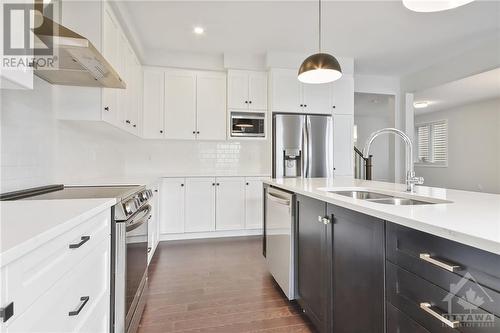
(427, 6)
(319, 68)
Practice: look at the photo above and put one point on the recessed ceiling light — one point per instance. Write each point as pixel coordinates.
(420, 105)
(199, 30)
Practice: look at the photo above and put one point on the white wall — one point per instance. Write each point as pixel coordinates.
(473, 148)
(38, 149)
(370, 117)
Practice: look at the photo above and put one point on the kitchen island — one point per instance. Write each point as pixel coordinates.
(368, 266)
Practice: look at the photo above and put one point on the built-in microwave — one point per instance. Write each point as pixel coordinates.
(248, 124)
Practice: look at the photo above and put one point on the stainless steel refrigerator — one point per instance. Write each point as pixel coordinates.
(302, 145)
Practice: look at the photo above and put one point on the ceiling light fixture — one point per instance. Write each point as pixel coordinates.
(319, 67)
(199, 30)
(420, 105)
(428, 6)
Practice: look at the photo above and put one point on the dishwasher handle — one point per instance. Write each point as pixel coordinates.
(278, 200)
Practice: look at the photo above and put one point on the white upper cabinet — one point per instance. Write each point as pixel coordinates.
(343, 95)
(200, 204)
(285, 92)
(288, 94)
(153, 122)
(317, 98)
(180, 104)
(211, 106)
(247, 90)
(230, 203)
(110, 42)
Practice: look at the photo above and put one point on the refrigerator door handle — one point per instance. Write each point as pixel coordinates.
(305, 146)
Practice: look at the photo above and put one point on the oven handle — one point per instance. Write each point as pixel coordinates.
(138, 219)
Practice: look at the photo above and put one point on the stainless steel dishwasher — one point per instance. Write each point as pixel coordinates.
(279, 231)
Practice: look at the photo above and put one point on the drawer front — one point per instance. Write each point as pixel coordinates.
(51, 312)
(405, 247)
(32, 275)
(410, 294)
(398, 322)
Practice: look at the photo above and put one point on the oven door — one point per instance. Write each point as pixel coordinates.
(131, 241)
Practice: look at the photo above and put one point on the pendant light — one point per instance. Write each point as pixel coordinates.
(319, 67)
(428, 6)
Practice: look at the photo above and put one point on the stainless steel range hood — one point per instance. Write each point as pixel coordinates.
(78, 62)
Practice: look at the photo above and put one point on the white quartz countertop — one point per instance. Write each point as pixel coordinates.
(471, 218)
(26, 224)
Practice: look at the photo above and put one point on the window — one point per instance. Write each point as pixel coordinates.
(432, 142)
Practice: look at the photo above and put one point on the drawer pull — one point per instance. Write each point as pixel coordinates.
(84, 240)
(83, 302)
(449, 267)
(427, 307)
(7, 312)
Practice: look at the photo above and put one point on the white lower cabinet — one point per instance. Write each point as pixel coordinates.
(172, 205)
(230, 203)
(71, 291)
(200, 204)
(253, 203)
(208, 204)
(154, 221)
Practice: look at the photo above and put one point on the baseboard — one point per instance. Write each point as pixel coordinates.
(210, 234)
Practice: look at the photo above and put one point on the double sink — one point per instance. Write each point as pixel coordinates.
(383, 198)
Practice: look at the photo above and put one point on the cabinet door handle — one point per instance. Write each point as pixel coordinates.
(194, 132)
(324, 220)
(127, 121)
(301, 105)
(106, 108)
(217, 184)
(213, 184)
(246, 102)
(249, 102)
(83, 302)
(427, 307)
(449, 267)
(333, 106)
(197, 132)
(247, 183)
(182, 185)
(149, 249)
(161, 131)
(84, 239)
(7, 312)
(305, 105)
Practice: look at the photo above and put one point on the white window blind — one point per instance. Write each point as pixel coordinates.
(432, 141)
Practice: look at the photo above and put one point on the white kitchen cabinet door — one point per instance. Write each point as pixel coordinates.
(237, 89)
(253, 203)
(180, 105)
(211, 106)
(200, 204)
(343, 95)
(110, 51)
(285, 91)
(317, 98)
(153, 224)
(257, 90)
(152, 112)
(123, 94)
(172, 207)
(343, 145)
(230, 203)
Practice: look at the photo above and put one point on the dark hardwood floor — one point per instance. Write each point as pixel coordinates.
(218, 285)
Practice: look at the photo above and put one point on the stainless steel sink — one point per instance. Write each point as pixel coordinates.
(401, 201)
(382, 198)
(363, 195)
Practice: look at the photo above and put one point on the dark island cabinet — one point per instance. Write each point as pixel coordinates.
(339, 268)
(314, 262)
(358, 271)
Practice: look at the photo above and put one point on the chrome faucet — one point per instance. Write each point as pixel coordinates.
(411, 179)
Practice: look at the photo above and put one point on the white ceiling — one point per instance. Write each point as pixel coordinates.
(383, 36)
(472, 89)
